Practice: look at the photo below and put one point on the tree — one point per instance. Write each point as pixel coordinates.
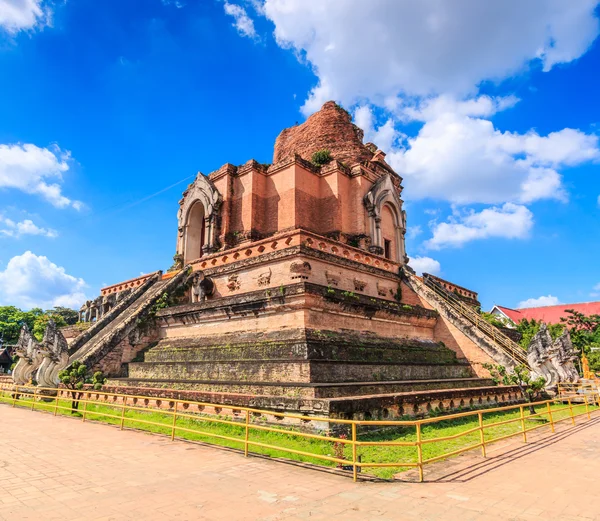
(529, 387)
(585, 335)
(529, 328)
(70, 316)
(494, 320)
(12, 319)
(75, 377)
(41, 322)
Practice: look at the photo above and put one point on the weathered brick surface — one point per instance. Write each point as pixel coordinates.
(330, 128)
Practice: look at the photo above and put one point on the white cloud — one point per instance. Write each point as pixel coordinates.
(413, 231)
(460, 157)
(425, 265)
(539, 302)
(383, 48)
(511, 221)
(30, 281)
(424, 61)
(18, 15)
(36, 170)
(242, 22)
(10, 228)
(178, 4)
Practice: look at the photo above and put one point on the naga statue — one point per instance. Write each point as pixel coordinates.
(30, 357)
(553, 360)
(564, 356)
(55, 350)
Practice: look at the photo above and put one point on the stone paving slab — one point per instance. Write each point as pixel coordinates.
(61, 468)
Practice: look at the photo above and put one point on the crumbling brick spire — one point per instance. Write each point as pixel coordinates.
(330, 128)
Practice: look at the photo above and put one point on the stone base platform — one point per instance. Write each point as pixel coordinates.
(375, 406)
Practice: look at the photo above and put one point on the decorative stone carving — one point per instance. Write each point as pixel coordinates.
(384, 290)
(201, 234)
(264, 279)
(300, 270)
(108, 303)
(202, 287)
(564, 356)
(30, 357)
(383, 192)
(552, 360)
(333, 279)
(233, 282)
(359, 285)
(55, 352)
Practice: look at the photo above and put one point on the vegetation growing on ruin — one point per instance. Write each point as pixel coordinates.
(321, 157)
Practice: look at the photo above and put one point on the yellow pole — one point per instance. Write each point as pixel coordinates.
(523, 424)
(247, 433)
(354, 468)
(123, 411)
(550, 416)
(419, 452)
(85, 405)
(571, 409)
(56, 402)
(34, 397)
(15, 395)
(481, 434)
(174, 421)
(587, 408)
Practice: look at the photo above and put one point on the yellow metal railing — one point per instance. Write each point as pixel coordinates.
(245, 420)
(510, 347)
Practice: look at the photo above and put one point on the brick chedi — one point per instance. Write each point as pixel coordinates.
(296, 294)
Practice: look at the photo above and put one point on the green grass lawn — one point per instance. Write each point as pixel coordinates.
(292, 439)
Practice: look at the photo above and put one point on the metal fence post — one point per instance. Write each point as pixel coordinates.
(550, 416)
(247, 433)
(56, 402)
(481, 434)
(587, 407)
(419, 453)
(174, 421)
(571, 409)
(354, 468)
(34, 397)
(523, 424)
(15, 392)
(123, 411)
(85, 402)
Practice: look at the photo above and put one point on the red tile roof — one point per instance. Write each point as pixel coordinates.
(550, 314)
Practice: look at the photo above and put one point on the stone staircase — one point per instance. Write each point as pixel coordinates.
(100, 340)
(495, 343)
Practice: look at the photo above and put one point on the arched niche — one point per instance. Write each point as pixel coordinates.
(387, 220)
(198, 219)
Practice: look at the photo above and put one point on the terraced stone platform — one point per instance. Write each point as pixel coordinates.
(338, 373)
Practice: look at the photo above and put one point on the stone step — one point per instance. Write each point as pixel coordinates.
(295, 371)
(306, 390)
(300, 344)
(301, 351)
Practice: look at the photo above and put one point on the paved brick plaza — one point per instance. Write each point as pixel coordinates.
(60, 468)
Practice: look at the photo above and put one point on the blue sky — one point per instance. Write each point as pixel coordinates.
(489, 111)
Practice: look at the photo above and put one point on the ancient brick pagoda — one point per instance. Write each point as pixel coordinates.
(295, 294)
